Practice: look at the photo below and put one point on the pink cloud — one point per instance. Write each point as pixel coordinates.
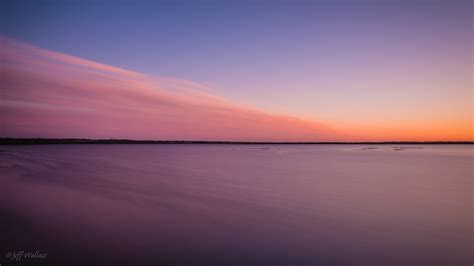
(49, 94)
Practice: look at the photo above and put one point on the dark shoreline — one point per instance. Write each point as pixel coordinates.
(44, 141)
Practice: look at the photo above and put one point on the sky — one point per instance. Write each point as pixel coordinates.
(262, 70)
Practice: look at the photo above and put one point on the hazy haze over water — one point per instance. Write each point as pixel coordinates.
(239, 204)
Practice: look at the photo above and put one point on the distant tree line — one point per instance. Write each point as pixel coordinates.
(42, 141)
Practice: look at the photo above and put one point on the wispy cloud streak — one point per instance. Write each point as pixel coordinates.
(49, 94)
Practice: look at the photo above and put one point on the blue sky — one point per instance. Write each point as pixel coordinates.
(341, 61)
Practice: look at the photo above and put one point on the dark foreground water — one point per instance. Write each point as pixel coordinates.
(237, 205)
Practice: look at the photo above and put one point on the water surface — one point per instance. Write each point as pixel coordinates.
(238, 204)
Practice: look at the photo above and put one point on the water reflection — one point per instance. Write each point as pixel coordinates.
(239, 205)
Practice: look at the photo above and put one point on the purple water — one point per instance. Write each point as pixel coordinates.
(238, 204)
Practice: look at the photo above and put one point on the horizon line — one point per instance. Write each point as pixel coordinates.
(45, 141)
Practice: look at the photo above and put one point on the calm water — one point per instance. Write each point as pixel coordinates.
(238, 204)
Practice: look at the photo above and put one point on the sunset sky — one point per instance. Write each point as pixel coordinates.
(238, 70)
